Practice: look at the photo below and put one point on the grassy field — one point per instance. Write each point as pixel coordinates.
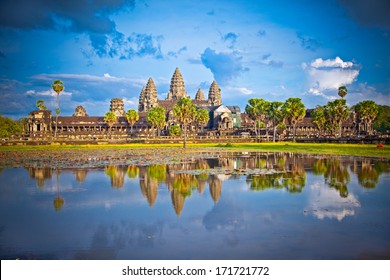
(369, 150)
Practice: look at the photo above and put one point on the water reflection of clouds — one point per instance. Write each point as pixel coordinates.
(325, 202)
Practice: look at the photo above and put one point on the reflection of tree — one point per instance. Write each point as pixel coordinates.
(215, 186)
(157, 171)
(335, 173)
(368, 172)
(116, 174)
(132, 171)
(262, 182)
(40, 174)
(58, 201)
(81, 174)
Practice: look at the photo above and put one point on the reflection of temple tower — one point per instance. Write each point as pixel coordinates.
(40, 174)
(149, 189)
(81, 174)
(177, 201)
(117, 175)
(215, 187)
(177, 90)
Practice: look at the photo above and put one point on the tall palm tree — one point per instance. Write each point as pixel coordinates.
(367, 110)
(110, 119)
(257, 109)
(58, 87)
(41, 104)
(275, 115)
(156, 117)
(336, 113)
(318, 118)
(185, 113)
(202, 117)
(132, 117)
(294, 111)
(342, 91)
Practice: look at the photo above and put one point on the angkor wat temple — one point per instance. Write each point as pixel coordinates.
(223, 119)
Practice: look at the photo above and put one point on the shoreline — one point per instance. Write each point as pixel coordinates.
(82, 156)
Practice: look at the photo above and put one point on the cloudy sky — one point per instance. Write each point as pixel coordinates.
(271, 49)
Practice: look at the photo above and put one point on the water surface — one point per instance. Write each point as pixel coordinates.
(228, 206)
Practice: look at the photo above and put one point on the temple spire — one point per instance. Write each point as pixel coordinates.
(177, 89)
(215, 94)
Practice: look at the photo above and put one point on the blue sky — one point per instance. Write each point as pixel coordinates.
(272, 49)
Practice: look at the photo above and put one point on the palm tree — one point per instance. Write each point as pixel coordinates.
(110, 119)
(58, 87)
(294, 111)
(318, 118)
(185, 113)
(156, 117)
(336, 112)
(132, 117)
(367, 110)
(257, 109)
(275, 115)
(202, 117)
(342, 91)
(41, 104)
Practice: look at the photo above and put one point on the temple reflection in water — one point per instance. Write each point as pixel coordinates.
(261, 172)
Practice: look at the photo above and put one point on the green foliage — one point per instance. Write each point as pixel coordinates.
(41, 104)
(294, 111)
(367, 111)
(342, 92)
(174, 130)
(318, 118)
(9, 127)
(156, 118)
(132, 116)
(202, 116)
(185, 113)
(382, 122)
(335, 113)
(58, 86)
(110, 118)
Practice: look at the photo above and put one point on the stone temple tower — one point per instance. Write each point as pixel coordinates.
(199, 95)
(177, 90)
(148, 97)
(117, 106)
(214, 95)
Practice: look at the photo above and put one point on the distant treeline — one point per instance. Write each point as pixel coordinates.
(9, 127)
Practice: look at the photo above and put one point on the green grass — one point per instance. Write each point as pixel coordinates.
(368, 150)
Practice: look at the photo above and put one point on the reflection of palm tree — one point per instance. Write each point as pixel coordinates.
(132, 171)
(157, 171)
(368, 176)
(116, 174)
(58, 201)
(336, 175)
(181, 188)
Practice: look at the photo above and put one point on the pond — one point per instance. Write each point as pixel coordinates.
(225, 206)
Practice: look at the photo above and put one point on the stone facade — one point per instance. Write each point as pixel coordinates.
(215, 94)
(199, 95)
(80, 112)
(117, 107)
(148, 97)
(177, 89)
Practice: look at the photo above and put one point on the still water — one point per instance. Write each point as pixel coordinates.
(234, 206)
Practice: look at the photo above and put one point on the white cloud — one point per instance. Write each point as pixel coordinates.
(241, 90)
(46, 93)
(329, 74)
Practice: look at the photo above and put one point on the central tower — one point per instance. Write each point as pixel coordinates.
(177, 90)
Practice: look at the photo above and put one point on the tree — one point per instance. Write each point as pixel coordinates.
(185, 113)
(367, 110)
(342, 92)
(336, 112)
(41, 104)
(156, 117)
(202, 117)
(110, 119)
(382, 121)
(294, 111)
(58, 87)
(257, 109)
(174, 130)
(318, 118)
(9, 127)
(132, 117)
(275, 115)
